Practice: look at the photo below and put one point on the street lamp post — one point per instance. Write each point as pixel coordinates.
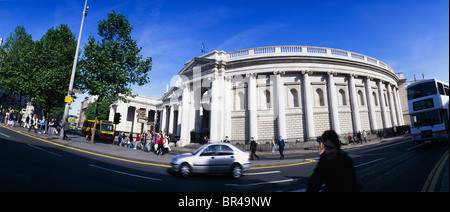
(74, 67)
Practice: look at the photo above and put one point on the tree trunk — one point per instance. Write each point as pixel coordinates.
(95, 123)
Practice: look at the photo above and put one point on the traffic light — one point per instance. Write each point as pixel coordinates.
(117, 118)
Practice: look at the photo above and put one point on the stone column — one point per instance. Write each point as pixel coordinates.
(371, 106)
(392, 106)
(309, 117)
(399, 107)
(185, 116)
(354, 104)
(281, 105)
(180, 109)
(252, 106)
(163, 120)
(380, 86)
(228, 107)
(333, 103)
(171, 120)
(216, 106)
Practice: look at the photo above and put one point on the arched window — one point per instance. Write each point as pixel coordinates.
(342, 97)
(319, 97)
(294, 98)
(361, 98)
(375, 98)
(241, 100)
(267, 98)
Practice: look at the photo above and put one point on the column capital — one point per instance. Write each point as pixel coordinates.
(279, 73)
(332, 73)
(307, 72)
(251, 74)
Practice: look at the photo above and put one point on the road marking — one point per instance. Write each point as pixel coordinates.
(145, 163)
(44, 150)
(89, 152)
(4, 135)
(415, 146)
(378, 148)
(124, 173)
(260, 173)
(373, 161)
(435, 174)
(263, 183)
(284, 165)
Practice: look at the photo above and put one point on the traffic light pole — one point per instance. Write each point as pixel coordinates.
(74, 67)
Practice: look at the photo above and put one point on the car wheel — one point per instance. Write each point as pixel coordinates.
(236, 171)
(185, 170)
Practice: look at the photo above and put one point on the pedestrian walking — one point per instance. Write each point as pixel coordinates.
(51, 125)
(335, 168)
(33, 122)
(281, 145)
(253, 146)
(350, 138)
(42, 124)
(226, 140)
(364, 135)
(358, 135)
(319, 140)
(137, 142)
(66, 128)
(274, 144)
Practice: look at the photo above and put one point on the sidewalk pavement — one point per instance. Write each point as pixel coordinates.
(267, 158)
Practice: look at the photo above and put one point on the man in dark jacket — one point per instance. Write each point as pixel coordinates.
(253, 146)
(335, 168)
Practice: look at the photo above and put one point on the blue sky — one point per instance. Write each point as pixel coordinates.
(411, 36)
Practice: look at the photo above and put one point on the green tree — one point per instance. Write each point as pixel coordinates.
(53, 64)
(109, 67)
(103, 110)
(16, 63)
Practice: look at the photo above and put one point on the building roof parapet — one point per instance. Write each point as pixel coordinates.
(305, 51)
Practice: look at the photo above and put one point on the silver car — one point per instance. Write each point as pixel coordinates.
(212, 158)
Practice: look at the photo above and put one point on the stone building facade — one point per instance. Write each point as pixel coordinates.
(293, 91)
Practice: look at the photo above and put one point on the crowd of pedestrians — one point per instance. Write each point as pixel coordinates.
(156, 142)
(33, 122)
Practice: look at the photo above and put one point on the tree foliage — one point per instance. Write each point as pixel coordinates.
(16, 62)
(53, 63)
(110, 66)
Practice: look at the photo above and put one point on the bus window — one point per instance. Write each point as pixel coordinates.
(429, 118)
(420, 90)
(107, 127)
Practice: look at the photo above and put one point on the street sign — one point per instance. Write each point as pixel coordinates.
(140, 111)
(68, 99)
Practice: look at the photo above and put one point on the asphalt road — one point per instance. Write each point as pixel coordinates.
(28, 164)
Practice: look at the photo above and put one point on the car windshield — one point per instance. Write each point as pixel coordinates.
(197, 150)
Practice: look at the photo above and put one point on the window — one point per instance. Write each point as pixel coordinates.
(420, 90)
(294, 98)
(342, 97)
(130, 114)
(319, 97)
(361, 98)
(239, 101)
(267, 98)
(375, 98)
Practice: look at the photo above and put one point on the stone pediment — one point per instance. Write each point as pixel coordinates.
(188, 66)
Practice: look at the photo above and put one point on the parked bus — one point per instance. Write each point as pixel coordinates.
(105, 129)
(428, 108)
(73, 120)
